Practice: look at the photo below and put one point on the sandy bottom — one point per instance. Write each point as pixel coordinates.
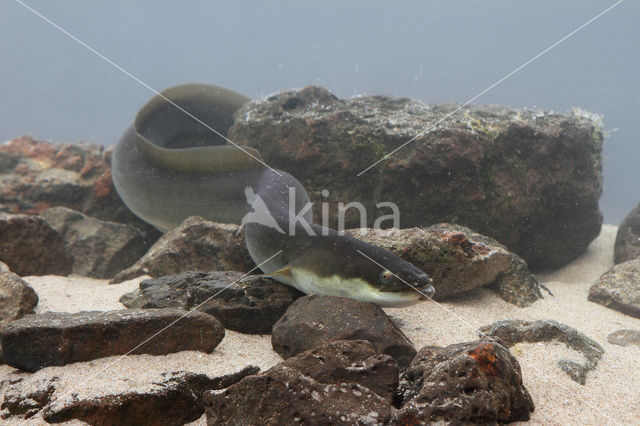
(610, 395)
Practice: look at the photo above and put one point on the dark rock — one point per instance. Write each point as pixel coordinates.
(313, 320)
(340, 383)
(619, 288)
(31, 247)
(529, 179)
(195, 245)
(627, 244)
(175, 398)
(475, 382)
(36, 175)
(458, 260)
(54, 338)
(511, 332)
(17, 298)
(100, 249)
(624, 337)
(248, 307)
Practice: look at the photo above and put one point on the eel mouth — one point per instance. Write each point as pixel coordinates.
(421, 291)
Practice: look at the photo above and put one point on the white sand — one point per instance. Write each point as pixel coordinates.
(610, 396)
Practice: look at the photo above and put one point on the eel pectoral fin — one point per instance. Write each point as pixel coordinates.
(283, 275)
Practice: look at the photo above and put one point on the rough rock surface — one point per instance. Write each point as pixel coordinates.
(511, 332)
(36, 175)
(248, 307)
(627, 244)
(619, 288)
(529, 179)
(4, 268)
(341, 382)
(54, 338)
(195, 245)
(99, 249)
(475, 382)
(624, 337)
(313, 320)
(458, 260)
(176, 398)
(31, 247)
(17, 298)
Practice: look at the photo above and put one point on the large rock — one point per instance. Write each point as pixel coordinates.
(54, 338)
(100, 249)
(31, 247)
(529, 179)
(475, 382)
(511, 332)
(458, 260)
(342, 383)
(17, 298)
(248, 307)
(619, 288)
(627, 244)
(196, 244)
(313, 320)
(173, 397)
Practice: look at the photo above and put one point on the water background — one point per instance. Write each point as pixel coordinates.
(435, 51)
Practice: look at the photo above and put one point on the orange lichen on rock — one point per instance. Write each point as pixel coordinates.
(485, 356)
(28, 147)
(39, 207)
(103, 185)
(456, 238)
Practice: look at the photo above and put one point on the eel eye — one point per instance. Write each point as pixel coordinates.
(386, 277)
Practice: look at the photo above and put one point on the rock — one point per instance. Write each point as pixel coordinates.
(247, 307)
(100, 249)
(17, 298)
(342, 382)
(36, 175)
(624, 337)
(619, 288)
(458, 260)
(627, 244)
(195, 245)
(174, 398)
(54, 338)
(475, 382)
(511, 332)
(529, 179)
(4, 268)
(31, 247)
(313, 320)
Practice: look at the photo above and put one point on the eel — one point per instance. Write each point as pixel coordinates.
(174, 162)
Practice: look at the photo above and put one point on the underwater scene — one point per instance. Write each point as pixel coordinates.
(335, 213)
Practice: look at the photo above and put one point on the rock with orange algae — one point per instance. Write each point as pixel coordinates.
(474, 382)
(510, 332)
(36, 175)
(458, 260)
